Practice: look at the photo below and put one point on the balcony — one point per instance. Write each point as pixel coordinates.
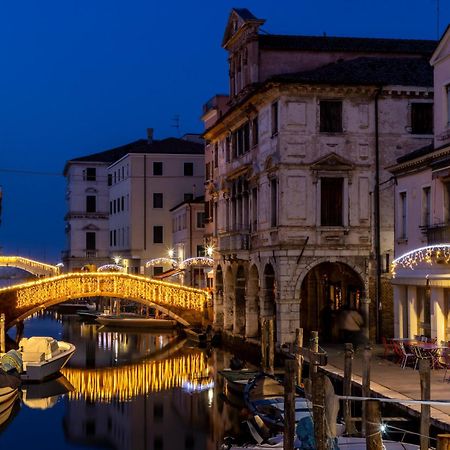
(230, 241)
(438, 234)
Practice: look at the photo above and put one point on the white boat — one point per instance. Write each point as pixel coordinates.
(134, 321)
(43, 357)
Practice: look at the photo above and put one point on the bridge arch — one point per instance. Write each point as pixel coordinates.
(182, 303)
(29, 265)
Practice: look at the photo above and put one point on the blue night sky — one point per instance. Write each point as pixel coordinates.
(82, 76)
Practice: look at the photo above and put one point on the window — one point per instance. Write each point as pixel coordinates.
(331, 197)
(158, 270)
(90, 174)
(422, 118)
(426, 206)
(157, 234)
(188, 197)
(90, 428)
(273, 203)
(114, 238)
(90, 240)
(201, 250)
(157, 200)
(109, 179)
(110, 206)
(254, 209)
(201, 220)
(274, 116)
(403, 217)
(255, 131)
(188, 169)
(330, 116)
(122, 202)
(157, 168)
(91, 203)
(110, 238)
(207, 172)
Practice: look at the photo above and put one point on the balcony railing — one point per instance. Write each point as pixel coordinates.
(237, 239)
(438, 234)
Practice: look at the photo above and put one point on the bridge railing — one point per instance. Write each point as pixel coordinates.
(35, 267)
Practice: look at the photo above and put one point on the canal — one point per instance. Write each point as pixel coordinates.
(122, 390)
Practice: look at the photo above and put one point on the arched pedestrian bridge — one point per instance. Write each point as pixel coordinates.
(184, 304)
(35, 267)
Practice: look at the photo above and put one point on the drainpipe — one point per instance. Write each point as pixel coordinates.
(377, 237)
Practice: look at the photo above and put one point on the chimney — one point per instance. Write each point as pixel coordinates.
(150, 135)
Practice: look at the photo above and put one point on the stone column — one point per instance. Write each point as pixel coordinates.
(399, 310)
(412, 311)
(437, 308)
(218, 309)
(252, 315)
(365, 308)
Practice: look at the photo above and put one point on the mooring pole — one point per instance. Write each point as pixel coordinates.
(347, 388)
(318, 400)
(366, 384)
(373, 430)
(298, 353)
(271, 361)
(425, 393)
(264, 344)
(289, 405)
(2, 334)
(313, 348)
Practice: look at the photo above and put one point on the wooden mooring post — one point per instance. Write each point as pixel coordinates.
(271, 358)
(373, 424)
(425, 393)
(443, 442)
(313, 348)
(298, 354)
(289, 405)
(318, 400)
(347, 388)
(367, 356)
(2, 334)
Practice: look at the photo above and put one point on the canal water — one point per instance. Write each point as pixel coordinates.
(122, 390)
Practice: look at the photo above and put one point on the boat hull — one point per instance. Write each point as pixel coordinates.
(128, 322)
(38, 371)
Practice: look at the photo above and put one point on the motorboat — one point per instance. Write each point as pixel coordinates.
(38, 358)
(128, 320)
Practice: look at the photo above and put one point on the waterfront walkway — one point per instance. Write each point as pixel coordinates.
(389, 380)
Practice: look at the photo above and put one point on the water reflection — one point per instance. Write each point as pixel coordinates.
(125, 390)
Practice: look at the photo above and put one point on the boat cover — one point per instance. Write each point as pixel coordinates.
(38, 345)
(11, 361)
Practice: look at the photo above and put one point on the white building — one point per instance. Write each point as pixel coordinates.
(119, 200)
(422, 227)
(144, 188)
(299, 199)
(188, 225)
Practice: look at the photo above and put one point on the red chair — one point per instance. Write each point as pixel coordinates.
(389, 347)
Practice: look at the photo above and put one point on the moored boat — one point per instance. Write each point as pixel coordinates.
(237, 380)
(134, 321)
(38, 358)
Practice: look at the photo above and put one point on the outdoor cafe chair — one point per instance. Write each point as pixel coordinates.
(388, 346)
(420, 353)
(402, 354)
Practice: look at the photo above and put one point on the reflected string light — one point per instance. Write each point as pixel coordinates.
(429, 255)
(127, 382)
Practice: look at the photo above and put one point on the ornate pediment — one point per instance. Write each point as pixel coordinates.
(91, 227)
(332, 161)
(240, 19)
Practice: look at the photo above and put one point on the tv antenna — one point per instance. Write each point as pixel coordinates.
(176, 123)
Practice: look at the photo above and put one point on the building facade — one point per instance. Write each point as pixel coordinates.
(125, 211)
(422, 230)
(295, 204)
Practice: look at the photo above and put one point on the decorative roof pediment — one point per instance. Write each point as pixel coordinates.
(239, 19)
(91, 227)
(443, 48)
(91, 190)
(332, 161)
